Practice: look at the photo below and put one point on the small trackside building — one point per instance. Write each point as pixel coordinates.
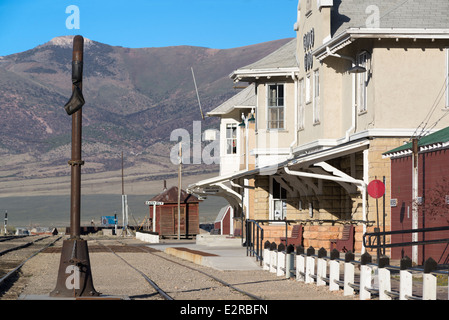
(432, 196)
(164, 213)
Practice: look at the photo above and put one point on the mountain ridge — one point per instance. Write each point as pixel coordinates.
(134, 98)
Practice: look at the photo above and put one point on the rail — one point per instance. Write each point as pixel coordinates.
(14, 270)
(255, 233)
(255, 236)
(21, 246)
(368, 279)
(254, 240)
(161, 291)
(372, 239)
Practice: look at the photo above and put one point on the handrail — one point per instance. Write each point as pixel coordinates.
(257, 230)
(369, 243)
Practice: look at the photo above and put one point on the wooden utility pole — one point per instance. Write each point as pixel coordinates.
(123, 179)
(124, 204)
(179, 190)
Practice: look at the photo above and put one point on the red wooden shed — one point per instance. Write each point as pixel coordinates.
(223, 223)
(165, 221)
(433, 195)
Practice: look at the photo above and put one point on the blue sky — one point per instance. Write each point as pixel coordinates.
(218, 24)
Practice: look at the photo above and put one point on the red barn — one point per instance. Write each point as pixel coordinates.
(433, 195)
(165, 220)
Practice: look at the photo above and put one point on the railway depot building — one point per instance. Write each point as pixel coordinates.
(304, 139)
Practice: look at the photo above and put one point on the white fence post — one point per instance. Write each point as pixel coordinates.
(334, 270)
(266, 256)
(280, 270)
(281, 260)
(405, 281)
(348, 274)
(273, 258)
(310, 265)
(429, 280)
(300, 264)
(321, 267)
(384, 278)
(365, 276)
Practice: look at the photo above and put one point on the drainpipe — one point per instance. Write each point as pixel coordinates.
(328, 51)
(352, 127)
(323, 177)
(365, 179)
(246, 142)
(295, 140)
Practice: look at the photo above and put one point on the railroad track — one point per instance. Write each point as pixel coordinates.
(16, 250)
(7, 238)
(154, 253)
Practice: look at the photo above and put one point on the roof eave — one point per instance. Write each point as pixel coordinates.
(406, 149)
(254, 74)
(349, 35)
(219, 114)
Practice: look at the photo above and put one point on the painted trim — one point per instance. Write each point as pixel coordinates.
(349, 35)
(239, 74)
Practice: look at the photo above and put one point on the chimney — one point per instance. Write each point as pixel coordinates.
(165, 185)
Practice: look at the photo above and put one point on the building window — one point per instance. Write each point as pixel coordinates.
(301, 104)
(279, 201)
(231, 138)
(316, 96)
(362, 82)
(276, 100)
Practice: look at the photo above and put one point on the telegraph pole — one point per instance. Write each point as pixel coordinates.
(179, 190)
(6, 222)
(124, 204)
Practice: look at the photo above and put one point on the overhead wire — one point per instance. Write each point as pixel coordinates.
(427, 118)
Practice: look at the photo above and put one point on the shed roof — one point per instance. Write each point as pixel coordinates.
(171, 196)
(436, 140)
(221, 215)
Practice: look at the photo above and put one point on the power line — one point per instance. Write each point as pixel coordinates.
(427, 118)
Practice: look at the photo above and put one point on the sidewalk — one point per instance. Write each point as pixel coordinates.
(218, 252)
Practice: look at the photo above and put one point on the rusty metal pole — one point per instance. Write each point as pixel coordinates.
(76, 162)
(75, 276)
